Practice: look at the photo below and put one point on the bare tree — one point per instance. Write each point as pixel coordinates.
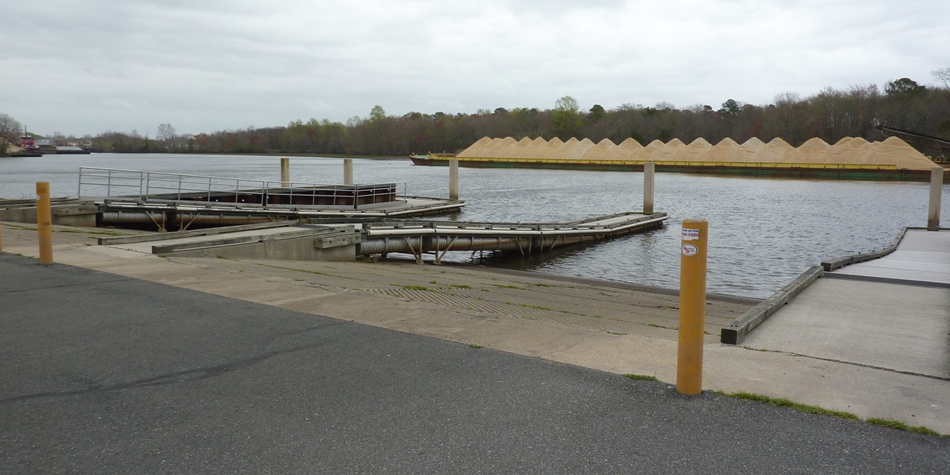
(942, 75)
(166, 134)
(10, 129)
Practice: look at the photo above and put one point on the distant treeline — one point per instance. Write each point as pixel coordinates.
(830, 115)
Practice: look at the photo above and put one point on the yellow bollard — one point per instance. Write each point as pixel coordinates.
(44, 221)
(689, 364)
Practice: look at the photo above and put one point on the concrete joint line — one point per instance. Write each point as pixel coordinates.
(851, 363)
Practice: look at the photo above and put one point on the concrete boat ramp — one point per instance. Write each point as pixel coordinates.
(344, 241)
(890, 313)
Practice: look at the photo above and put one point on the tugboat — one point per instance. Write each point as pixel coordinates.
(28, 147)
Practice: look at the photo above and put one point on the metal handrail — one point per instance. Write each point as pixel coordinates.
(161, 186)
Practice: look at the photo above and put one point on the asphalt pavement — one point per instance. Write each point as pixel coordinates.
(107, 374)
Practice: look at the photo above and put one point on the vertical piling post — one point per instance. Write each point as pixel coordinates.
(648, 169)
(1, 237)
(285, 172)
(347, 171)
(454, 179)
(44, 222)
(689, 364)
(936, 189)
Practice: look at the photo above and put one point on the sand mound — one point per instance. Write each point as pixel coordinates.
(849, 151)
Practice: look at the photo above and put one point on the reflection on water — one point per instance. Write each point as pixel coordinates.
(763, 232)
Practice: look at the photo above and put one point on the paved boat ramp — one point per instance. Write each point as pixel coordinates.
(890, 313)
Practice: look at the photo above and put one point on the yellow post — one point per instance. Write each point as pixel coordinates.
(44, 221)
(689, 364)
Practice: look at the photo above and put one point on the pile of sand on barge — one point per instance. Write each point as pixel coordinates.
(891, 154)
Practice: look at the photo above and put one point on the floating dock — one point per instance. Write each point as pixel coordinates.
(439, 237)
(175, 202)
(297, 240)
(212, 216)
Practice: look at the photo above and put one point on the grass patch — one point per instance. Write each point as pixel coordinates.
(433, 282)
(617, 333)
(526, 305)
(415, 287)
(474, 345)
(901, 426)
(500, 286)
(781, 402)
(640, 377)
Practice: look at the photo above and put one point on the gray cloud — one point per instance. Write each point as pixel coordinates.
(85, 67)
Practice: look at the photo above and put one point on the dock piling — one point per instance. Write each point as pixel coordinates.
(347, 171)
(936, 189)
(692, 316)
(454, 179)
(44, 222)
(285, 172)
(1, 237)
(648, 172)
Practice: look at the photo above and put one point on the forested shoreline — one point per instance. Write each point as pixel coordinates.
(830, 115)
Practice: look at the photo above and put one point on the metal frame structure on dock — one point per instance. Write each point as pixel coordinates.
(168, 201)
(439, 237)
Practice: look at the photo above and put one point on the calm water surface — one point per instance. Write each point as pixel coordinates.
(763, 232)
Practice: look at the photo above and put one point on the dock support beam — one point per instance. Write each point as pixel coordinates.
(648, 170)
(936, 188)
(347, 171)
(285, 172)
(44, 221)
(454, 179)
(692, 317)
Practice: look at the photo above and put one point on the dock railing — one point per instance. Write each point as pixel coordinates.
(116, 184)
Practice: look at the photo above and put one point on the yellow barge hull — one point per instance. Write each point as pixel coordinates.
(871, 172)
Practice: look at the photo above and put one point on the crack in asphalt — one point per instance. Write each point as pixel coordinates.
(191, 375)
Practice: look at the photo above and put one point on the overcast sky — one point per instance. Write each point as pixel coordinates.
(84, 67)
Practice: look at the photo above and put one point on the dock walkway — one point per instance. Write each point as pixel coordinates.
(891, 313)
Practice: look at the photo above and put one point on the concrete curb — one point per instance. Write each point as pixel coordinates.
(736, 331)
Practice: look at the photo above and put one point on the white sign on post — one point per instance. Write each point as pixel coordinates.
(690, 234)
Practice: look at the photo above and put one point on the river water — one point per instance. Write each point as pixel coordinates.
(764, 232)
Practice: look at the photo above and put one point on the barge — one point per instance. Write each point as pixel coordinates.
(854, 159)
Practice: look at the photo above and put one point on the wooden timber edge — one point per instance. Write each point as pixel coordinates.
(737, 330)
